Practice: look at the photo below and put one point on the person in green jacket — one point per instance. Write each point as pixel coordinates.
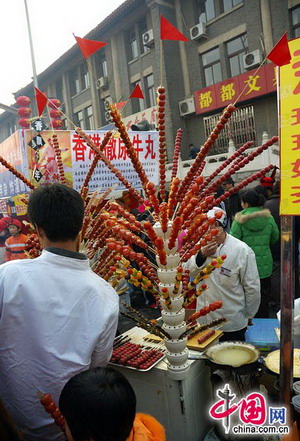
(255, 226)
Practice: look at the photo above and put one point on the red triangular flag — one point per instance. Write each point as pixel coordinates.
(169, 32)
(88, 47)
(280, 54)
(41, 100)
(120, 104)
(137, 92)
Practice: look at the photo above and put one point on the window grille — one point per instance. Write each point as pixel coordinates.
(240, 128)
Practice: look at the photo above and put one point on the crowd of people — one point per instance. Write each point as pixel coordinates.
(56, 312)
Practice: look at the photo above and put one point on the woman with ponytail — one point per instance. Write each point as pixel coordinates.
(255, 226)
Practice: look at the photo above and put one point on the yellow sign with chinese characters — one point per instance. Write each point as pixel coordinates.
(289, 93)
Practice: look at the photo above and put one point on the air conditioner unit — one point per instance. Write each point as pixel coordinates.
(197, 32)
(252, 59)
(102, 83)
(187, 107)
(147, 38)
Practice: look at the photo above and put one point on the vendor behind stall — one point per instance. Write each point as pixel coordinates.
(236, 283)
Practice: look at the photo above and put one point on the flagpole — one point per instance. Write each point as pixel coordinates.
(161, 63)
(35, 80)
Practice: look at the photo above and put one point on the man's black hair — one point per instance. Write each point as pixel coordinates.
(98, 404)
(58, 209)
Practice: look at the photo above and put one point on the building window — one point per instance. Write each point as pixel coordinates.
(236, 49)
(59, 89)
(84, 77)
(11, 128)
(79, 119)
(74, 82)
(296, 22)
(240, 128)
(212, 67)
(79, 79)
(206, 10)
(101, 66)
(89, 118)
(133, 45)
(84, 118)
(229, 4)
(150, 91)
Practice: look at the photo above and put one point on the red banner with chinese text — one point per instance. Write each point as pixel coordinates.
(249, 85)
(289, 96)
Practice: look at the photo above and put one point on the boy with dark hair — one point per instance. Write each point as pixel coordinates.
(99, 405)
(58, 210)
(57, 317)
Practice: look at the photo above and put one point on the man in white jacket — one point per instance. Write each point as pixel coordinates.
(57, 317)
(236, 283)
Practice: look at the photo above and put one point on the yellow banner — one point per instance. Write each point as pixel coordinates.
(289, 96)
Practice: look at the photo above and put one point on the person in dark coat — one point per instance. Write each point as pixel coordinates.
(273, 205)
(193, 151)
(233, 203)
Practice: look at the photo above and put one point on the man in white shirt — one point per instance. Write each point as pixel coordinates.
(57, 317)
(236, 283)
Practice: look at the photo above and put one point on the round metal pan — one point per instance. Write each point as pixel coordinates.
(272, 362)
(232, 353)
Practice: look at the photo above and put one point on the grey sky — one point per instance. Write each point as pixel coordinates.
(53, 23)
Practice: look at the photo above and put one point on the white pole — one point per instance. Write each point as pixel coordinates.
(35, 80)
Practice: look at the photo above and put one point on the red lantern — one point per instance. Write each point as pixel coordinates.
(56, 123)
(55, 113)
(24, 122)
(23, 100)
(54, 103)
(24, 111)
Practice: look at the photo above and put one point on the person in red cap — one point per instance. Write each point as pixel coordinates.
(16, 244)
(267, 184)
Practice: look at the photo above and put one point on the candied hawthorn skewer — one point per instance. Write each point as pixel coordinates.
(161, 92)
(225, 164)
(244, 183)
(176, 153)
(58, 158)
(242, 163)
(178, 280)
(228, 111)
(50, 407)
(93, 164)
(172, 196)
(212, 307)
(137, 165)
(15, 172)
